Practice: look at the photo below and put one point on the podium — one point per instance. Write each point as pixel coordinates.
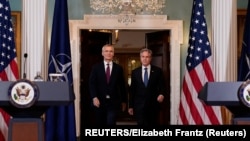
(225, 94)
(50, 94)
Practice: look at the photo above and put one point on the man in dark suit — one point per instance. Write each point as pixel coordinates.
(107, 88)
(146, 91)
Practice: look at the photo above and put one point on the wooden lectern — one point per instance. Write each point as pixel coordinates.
(226, 94)
(26, 123)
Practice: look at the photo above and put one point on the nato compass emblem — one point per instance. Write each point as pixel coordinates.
(23, 93)
(244, 93)
(59, 67)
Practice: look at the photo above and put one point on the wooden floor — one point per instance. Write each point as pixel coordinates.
(125, 119)
(126, 123)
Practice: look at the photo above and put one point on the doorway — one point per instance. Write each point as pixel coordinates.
(143, 22)
(91, 45)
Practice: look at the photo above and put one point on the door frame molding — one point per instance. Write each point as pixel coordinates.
(143, 22)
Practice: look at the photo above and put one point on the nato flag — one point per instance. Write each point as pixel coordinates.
(60, 121)
(244, 62)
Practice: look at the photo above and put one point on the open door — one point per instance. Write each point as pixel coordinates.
(91, 46)
(159, 43)
(90, 49)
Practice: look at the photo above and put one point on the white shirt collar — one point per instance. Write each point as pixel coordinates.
(149, 67)
(110, 63)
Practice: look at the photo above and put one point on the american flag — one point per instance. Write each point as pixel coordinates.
(198, 71)
(8, 59)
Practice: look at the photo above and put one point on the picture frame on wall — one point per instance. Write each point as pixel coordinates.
(16, 22)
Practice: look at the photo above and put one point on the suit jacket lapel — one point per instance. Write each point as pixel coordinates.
(151, 74)
(139, 74)
(113, 71)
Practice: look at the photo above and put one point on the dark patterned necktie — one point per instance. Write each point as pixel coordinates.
(146, 77)
(108, 73)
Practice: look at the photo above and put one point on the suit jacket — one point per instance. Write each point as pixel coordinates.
(143, 98)
(116, 87)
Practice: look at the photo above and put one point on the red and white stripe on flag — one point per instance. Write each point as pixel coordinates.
(193, 111)
(8, 59)
(9, 74)
(4, 120)
(198, 71)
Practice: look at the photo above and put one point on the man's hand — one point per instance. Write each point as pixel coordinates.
(96, 102)
(131, 111)
(160, 98)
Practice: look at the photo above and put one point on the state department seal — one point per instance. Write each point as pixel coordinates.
(23, 93)
(244, 93)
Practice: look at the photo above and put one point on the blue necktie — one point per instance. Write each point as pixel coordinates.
(146, 77)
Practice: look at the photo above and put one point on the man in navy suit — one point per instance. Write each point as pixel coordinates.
(145, 99)
(108, 91)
